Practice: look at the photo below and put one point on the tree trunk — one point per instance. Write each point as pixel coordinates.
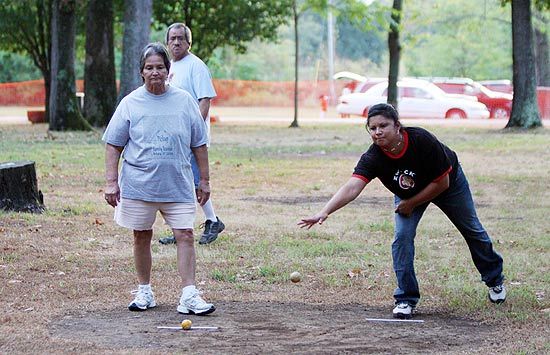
(137, 26)
(19, 188)
(64, 111)
(47, 89)
(542, 57)
(525, 111)
(99, 73)
(294, 123)
(45, 48)
(395, 52)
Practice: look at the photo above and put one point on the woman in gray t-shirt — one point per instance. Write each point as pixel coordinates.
(155, 129)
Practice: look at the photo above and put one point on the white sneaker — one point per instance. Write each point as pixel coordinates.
(143, 301)
(191, 302)
(497, 294)
(403, 310)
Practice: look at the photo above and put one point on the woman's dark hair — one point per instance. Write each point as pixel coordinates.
(154, 49)
(385, 110)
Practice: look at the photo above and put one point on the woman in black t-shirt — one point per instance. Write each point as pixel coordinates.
(419, 170)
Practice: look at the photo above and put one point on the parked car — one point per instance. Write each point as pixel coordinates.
(417, 98)
(498, 85)
(357, 83)
(499, 104)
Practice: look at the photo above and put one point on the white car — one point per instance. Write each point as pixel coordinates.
(416, 99)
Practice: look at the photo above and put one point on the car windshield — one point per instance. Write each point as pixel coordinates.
(483, 89)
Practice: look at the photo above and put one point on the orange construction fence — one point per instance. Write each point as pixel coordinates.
(230, 93)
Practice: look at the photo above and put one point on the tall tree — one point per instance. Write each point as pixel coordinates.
(394, 47)
(137, 27)
(25, 28)
(525, 112)
(64, 111)
(542, 49)
(295, 17)
(99, 68)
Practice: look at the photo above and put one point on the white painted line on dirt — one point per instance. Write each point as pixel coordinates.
(395, 320)
(192, 328)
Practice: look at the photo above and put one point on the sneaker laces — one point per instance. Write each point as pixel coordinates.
(497, 289)
(141, 296)
(195, 299)
(206, 225)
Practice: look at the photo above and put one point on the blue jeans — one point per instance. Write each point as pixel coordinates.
(457, 203)
(196, 171)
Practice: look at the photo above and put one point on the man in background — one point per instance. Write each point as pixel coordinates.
(188, 72)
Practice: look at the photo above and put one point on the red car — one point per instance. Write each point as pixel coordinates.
(498, 85)
(499, 104)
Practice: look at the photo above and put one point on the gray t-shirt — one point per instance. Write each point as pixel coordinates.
(157, 133)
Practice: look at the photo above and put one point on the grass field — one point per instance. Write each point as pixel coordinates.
(74, 259)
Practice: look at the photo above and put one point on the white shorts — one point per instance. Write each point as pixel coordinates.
(141, 215)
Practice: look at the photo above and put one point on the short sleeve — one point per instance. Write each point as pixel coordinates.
(118, 129)
(366, 168)
(203, 82)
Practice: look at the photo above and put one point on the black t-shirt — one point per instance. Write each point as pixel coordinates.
(423, 160)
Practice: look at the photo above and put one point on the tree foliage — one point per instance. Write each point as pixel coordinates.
(25, 29)
(17, 67)
(452, 38)
(217, 23)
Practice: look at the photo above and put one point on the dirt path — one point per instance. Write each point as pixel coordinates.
(307, 115)
(254, 328)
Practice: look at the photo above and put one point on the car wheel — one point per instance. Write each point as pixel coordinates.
(455, 113)
(499, 112)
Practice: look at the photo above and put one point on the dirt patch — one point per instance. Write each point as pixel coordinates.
(257, 327)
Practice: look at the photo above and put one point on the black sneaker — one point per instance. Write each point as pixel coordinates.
(168, 240)
(211, 231)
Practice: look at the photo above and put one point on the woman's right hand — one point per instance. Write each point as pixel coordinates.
(112, 194)
(311, 221)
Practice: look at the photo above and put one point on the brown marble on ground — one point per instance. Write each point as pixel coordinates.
(270, 327)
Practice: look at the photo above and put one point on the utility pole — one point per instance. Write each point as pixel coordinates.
(330, 39)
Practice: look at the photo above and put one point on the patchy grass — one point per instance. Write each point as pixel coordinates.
(264, 178)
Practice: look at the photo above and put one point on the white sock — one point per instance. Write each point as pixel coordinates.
(146, 288)
(208, 210)
(188, 290)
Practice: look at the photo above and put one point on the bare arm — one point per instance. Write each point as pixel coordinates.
(204, 107)
(203, 191)
(430, 192)
(347, 193)
(112, 190)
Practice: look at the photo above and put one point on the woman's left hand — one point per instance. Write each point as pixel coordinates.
(203, 192)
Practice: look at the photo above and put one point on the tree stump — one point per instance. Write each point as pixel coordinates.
(19, 187)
